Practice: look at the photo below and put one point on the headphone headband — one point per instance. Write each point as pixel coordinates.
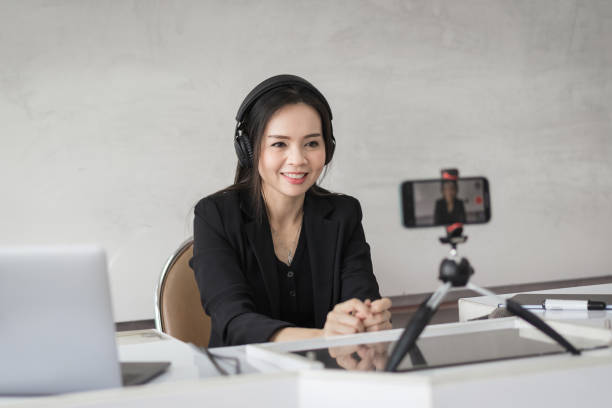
(242, 144)
(273, 83)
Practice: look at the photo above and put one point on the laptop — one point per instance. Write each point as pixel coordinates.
(57, 332)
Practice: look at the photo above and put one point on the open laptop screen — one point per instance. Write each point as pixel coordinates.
(58, 331)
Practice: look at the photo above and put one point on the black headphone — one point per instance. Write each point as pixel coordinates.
(242, 143)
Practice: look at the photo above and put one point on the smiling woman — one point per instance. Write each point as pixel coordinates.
(276, 257)
(292, 154)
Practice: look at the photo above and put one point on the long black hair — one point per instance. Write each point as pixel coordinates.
(254, 124)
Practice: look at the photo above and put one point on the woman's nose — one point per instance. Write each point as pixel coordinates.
(296, 156)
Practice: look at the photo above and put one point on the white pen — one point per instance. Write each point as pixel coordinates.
(562, 304)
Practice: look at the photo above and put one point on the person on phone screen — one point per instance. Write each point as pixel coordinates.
(449, 209)
(277, 257)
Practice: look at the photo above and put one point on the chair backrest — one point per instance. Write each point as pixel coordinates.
(178, 310)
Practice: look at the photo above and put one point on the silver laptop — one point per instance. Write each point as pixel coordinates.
(57, 332)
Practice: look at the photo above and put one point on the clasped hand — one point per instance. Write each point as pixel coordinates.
(361, 357)
(355, 316)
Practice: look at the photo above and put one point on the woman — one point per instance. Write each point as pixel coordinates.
(449, 209)
(277, 257)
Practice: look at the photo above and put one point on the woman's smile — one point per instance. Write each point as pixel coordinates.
(295, 178)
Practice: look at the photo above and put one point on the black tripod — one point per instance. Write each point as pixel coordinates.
(455, 273)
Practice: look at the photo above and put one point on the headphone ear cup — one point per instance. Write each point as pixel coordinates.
(244, 151)
(331, 147)
(248, 150)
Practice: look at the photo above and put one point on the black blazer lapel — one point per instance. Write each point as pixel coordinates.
(321, 237)
(260, 239)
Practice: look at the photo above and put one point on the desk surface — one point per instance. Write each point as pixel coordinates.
(191, 381)
(560, 380)
(475, 307)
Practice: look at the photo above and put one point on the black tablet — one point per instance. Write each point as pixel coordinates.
(447, 350)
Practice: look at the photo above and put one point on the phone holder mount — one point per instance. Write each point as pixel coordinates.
(456, 273)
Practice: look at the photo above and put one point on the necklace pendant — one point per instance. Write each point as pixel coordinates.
(289, 258)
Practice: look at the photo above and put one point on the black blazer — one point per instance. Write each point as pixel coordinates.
(234, 264)
(443, 217)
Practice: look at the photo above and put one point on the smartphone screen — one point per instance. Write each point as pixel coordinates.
(428, 203)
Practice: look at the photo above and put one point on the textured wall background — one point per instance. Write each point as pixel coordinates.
(117, 116)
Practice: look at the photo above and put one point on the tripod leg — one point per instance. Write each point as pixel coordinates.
(416, 357)
(517, 310)
(415, 326)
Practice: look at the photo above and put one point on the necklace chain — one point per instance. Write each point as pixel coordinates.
(294, 244)
(290, 253)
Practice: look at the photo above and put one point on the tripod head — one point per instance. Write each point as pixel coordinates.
(454, 235)
(456, 272)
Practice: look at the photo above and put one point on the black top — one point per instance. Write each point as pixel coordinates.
(296, 288)
(443, 217)
(236, 269)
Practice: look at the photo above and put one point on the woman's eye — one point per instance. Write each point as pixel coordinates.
(278, 144)
(312, 144)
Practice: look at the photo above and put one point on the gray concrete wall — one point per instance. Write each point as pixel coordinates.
(117, 116)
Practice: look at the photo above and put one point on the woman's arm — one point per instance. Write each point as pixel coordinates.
(226, 295)
(345, 318)
(295, 333)
(439, 211)
(357, 278)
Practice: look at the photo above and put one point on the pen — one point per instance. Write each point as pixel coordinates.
(558, 304)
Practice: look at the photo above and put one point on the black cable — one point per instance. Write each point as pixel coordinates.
(234, 360)
(213, 359)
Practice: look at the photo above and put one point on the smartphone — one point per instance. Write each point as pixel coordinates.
(435, 202)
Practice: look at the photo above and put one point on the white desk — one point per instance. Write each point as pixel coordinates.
(471, 308)
(191, 381)
(558, 380)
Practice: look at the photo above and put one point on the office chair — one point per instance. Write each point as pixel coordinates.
(178, 311)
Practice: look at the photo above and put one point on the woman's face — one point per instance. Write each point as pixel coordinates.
(292, 151)
(449, 190)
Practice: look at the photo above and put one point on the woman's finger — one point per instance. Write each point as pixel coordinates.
(366, 363)
(333, 327)
(380, 361)
(338, 329)
(380, 305)
(381, 348)
(379, 327)
(346, 320)
(342, 350)
(353, 306)
(364, 352)
(377, 318)
(347, 361)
